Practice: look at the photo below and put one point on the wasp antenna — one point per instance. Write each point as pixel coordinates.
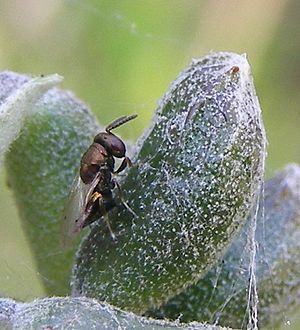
(119, 121)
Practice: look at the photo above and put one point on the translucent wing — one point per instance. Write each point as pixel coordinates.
(75, 211)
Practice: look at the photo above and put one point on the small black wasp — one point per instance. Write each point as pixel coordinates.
(91, 195)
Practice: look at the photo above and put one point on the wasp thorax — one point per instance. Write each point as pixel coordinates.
(111, 143)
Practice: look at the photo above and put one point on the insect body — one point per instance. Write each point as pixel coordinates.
(91, 195)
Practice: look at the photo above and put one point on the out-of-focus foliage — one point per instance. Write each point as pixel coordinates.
(119, 57)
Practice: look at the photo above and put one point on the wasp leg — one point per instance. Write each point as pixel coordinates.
(126, 162)
(123, 200)
(112, 235)
(95, 196)
(103, 211)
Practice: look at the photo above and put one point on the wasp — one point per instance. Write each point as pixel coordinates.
(91, 195)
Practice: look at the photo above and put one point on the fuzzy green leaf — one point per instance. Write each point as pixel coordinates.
(41, 165)
(18, 103)
(221, 296)
(196, 173)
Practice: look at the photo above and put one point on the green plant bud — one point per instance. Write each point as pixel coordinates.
(222, 295)
(195, 176)
(41, 165)
(17, 103)
(79, 313)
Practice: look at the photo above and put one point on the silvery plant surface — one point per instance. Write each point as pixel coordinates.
(222, 296)
(78, 314)
(196, 174)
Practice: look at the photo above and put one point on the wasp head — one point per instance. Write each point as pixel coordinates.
(114, 145)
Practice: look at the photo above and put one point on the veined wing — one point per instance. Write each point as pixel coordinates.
(75, 211)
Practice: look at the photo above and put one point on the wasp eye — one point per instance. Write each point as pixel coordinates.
(111, 143)
(117, 148)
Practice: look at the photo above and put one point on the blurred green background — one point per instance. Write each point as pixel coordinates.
(120, 57)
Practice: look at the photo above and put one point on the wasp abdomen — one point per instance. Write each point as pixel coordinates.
(88, 173)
